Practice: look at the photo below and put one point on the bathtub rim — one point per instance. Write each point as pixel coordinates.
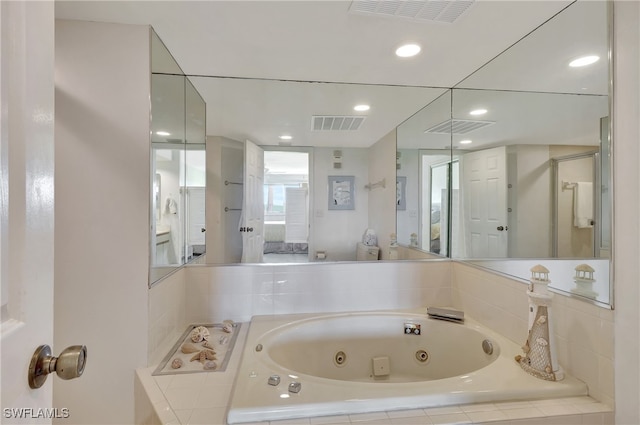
(409, 316)
(239, 413)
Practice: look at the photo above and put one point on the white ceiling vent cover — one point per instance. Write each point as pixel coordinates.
(336, 122)
(458, 126)
(425, 10)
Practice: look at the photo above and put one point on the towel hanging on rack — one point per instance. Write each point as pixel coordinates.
(583, 205)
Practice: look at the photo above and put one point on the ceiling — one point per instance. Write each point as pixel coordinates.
(312, 43)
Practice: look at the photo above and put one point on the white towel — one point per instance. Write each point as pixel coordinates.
(583, 205)
(171, 206)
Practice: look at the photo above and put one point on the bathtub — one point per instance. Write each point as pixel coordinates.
(346, 363)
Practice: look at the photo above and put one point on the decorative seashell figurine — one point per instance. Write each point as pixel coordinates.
(176, 364)
(199, 334)
(210, 365)
(227, 326)
(188, 348)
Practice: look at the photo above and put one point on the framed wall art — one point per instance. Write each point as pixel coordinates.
(341, 193)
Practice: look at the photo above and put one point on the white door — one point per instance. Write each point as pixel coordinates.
(195, 218)
(26, 203)
(252, 222)
(296, 228)
(485, 199)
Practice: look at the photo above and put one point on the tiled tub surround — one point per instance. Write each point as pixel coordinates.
(203, 398)
(238, 293)
(167, 314)
(211, 294)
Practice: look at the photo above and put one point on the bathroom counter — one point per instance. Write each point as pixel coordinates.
(202, 398)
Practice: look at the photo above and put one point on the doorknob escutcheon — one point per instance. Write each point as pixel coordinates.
(68, 365)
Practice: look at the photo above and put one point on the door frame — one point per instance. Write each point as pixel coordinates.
(597, 182)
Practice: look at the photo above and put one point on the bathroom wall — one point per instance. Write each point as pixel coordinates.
(239, 292)
(382, 210)
(583, 332)
(167, 314)
(497, 300)
(102, 194)
(626, 235)
(338, 231)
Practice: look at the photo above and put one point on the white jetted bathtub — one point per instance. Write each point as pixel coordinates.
(334, 364)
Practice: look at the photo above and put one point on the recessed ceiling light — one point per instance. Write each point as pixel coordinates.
(163, 133)
(465, 142)
(286, 137)
(478, 112)
(408, 50)
(361, 108)
(584, 61)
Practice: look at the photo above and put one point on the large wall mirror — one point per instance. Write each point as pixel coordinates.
(178, 167)
(408, 168)
(529, 170)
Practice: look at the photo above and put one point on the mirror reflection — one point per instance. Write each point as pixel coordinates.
(177, 166)
(529, 170)
(423, 164)
(514, 205)
(511, 163)
(309, 139)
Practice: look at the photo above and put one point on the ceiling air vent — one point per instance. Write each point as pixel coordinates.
(458, 126)
(425, 10)
(335, 122)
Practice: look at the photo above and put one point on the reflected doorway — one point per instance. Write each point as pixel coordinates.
(437, 171)
(574, 215)
(286, 206)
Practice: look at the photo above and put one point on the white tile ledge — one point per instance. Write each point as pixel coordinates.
(173, 402)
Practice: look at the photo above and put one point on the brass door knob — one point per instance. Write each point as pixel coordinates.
(68, 365)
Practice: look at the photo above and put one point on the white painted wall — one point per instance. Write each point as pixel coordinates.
(382, 210)
(338, 231)
(626, 177)
(102, 189)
